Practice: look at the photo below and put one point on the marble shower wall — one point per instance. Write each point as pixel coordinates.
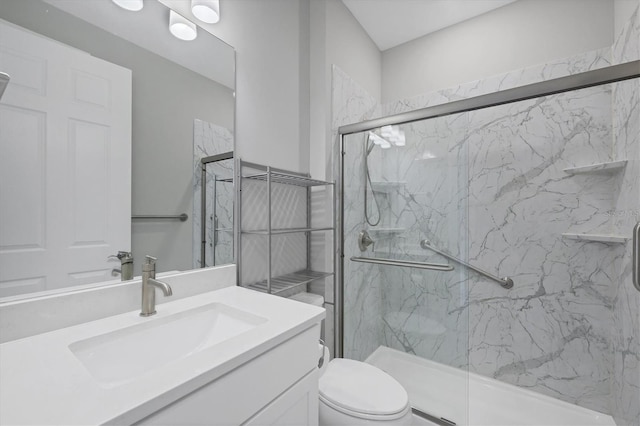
(625, 390)
(210, 139)
(362, 327)
(493, 192)
(551, 332)
(489, 187)
(425, 187)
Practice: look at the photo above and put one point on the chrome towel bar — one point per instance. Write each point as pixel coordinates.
(403, 263)
(635, 267)
(505, 282)
(181, 217)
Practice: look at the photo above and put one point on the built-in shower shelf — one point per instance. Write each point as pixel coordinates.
(283, 283)
(387, 186)
(600, 238)
(608, 167)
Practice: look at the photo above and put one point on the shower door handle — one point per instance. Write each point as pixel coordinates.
(636, 257)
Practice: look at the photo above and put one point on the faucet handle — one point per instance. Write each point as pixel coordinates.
(149, 265)
(123, 256)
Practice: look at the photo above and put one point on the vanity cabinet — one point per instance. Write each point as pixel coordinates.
(226, 357)
(274, 388)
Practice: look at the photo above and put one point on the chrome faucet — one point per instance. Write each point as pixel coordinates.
(149, 283)
(126, 265)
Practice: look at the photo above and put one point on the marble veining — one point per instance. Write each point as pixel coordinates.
(625, 386)
(211, 139)
(490, 187)
(351, 103)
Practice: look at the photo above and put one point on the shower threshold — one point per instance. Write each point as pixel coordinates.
(444, 395)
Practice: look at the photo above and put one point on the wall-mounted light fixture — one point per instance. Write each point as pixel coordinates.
(393, 134)
(379, 141)
(132, 5)
(181, 27)
(206, 10)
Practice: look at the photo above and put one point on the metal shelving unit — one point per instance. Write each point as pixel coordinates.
(286, 283)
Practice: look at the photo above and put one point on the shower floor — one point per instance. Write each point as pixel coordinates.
(464, 398)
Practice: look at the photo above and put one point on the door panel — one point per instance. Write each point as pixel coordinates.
(65, 178)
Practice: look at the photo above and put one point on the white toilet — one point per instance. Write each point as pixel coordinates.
(356, 393)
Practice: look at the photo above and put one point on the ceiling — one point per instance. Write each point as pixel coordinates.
(390, 23)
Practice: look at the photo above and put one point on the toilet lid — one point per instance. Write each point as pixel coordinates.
(362, 388)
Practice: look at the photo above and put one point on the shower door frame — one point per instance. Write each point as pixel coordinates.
(204, 161)
(606, 75)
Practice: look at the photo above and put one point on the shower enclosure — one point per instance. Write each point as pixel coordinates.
(216, 207)
(495, 234)
(213, 195)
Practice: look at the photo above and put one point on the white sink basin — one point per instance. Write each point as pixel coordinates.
(123, 355)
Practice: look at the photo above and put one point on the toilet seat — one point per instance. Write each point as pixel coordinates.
(363, 391)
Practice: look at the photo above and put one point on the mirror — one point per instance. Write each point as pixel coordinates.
(140, 109)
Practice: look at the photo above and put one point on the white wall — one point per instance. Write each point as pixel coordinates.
(272, 105)
(521, 34)
(349, 47)
(336, 39)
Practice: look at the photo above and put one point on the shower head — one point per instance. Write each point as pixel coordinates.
(4, 81)
(370, 145)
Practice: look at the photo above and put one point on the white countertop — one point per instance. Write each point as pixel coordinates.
(42, 381)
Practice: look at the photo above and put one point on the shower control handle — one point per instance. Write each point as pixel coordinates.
(364, 240)
(635, 267)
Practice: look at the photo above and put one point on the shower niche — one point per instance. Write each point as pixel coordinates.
(613, 171)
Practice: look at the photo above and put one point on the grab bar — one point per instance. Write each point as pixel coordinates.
(635, 268)
(404, 263)
(505, 282)
(182, 217)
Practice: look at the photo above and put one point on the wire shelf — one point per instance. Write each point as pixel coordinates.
(286, 282)
(288, 179)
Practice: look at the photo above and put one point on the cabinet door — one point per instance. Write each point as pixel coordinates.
(243, 393)
(297, 406)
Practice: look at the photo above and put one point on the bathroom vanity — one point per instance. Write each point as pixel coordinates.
(229, 356)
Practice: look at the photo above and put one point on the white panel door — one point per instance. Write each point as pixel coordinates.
(65, 164)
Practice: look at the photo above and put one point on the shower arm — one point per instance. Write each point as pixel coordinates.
(505, 282)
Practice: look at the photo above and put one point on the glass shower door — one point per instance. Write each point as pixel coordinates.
(544, 190)
(407, 196)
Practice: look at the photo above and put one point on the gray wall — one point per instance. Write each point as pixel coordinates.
(166, 100)
(336, 39)
(272, 79)
(519, 35)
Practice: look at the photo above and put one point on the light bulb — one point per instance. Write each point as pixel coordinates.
(181, 27)
(386, 131)
(206, 10)
(132, 5)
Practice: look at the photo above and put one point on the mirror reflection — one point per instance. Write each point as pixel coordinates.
(102, 120)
